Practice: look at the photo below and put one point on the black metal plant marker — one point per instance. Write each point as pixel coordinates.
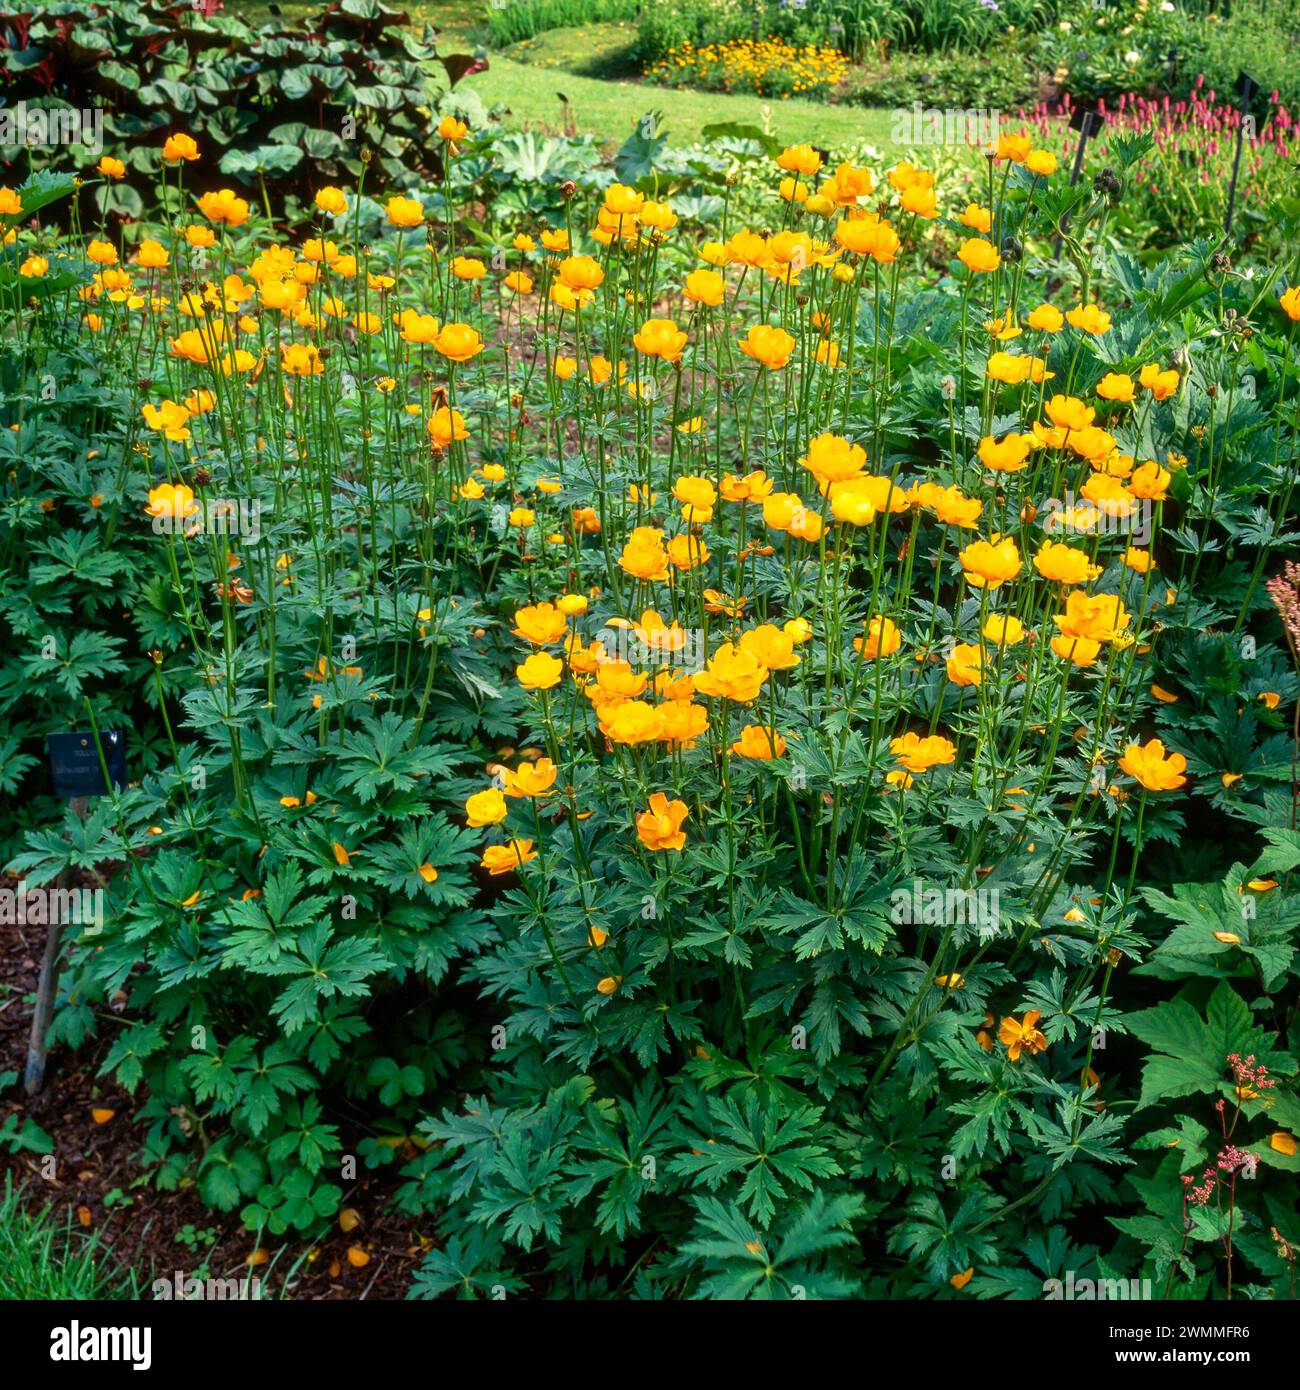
(1087, 122)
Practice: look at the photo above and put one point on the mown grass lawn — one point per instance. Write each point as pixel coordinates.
(591, 66)
(610, 109)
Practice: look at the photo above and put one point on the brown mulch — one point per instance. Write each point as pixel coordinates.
(99, 1177)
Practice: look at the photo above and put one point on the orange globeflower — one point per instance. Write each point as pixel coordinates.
(1081, 651)
(485, 808)
(505, 859)
(705, 287)
(168, 419)
(770, 645)
(172, 501)
(979, 256)
(632, 723)
(415, 327)
(1012, 370)
(920, 201)
(800, 159)
(110, 168)
(1047, 318)
(921, 754)
(1156, 771)
(868, 235)
(833, 459)
(301, 359)
(851, 502)
(964, 665)
(882, 639)
(581, 273)
(768, 346)
(1161, 384)
(987, 564)
(152, 255)
(224, 206)
(1016, 148)
(1100, 616)
(540, 623)
(697, 496)
(1115, 386)
(660, 828)
(660, 338)
(644, 556)
(446, 425)
(178, 147)
(1069, 413)
(1090, 318)
(1063, 564)
(1006, 455)
(1150, 481)
(458, 342)
(332, 200)
(759, 742)
(1018, 1036)
(1003, 630)
(541, 671)
(530, 779)
(732, 674)
(449, 128)
(404, 212)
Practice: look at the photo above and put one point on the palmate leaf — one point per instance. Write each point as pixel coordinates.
(305, 1137)
(523, 1190)
(125, 1058)
(649, 1027)
(264, 928)
(429, 840)
(472, 1264)
(769, 1147)
(1098, 1137)
(1190, 1052)
(617, 1162)
(75, 844)
(740, 1262)
(377, 757)
(325, 971)
(948, 1245)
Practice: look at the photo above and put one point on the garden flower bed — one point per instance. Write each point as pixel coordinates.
(682, 744)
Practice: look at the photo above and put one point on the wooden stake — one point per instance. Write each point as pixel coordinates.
(48, 988)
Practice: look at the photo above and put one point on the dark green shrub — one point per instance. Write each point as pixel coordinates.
(278, 107)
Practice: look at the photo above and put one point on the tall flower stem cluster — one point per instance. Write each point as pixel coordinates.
(768, 578)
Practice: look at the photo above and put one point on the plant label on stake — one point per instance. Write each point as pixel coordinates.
(1246, 89)
(1087, 122)
(78, 764)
